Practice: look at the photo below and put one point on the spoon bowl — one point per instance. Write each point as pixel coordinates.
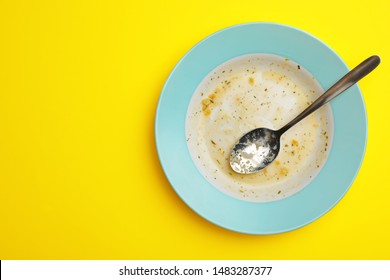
(259, 147)
(255, 150)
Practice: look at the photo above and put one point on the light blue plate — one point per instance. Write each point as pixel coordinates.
(350, 130)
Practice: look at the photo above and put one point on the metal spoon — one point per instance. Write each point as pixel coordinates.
(259, 147)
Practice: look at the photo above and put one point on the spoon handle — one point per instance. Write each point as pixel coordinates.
(343, 84)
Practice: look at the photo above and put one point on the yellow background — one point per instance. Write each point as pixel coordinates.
(79, 85)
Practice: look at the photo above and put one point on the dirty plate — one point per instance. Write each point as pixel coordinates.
(328, 187)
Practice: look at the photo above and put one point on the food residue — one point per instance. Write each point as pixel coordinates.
(253, 91)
